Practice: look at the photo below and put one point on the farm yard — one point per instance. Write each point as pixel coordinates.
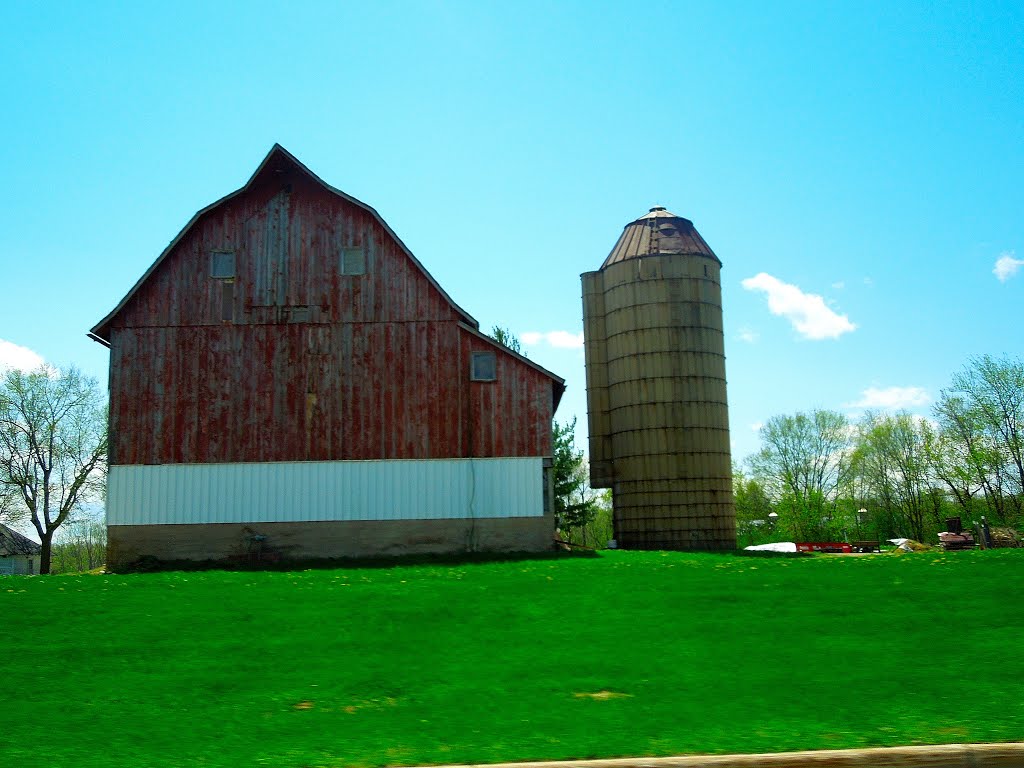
(611, 654)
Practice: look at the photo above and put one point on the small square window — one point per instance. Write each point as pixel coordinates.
(484, 367)
(222, 265)
(353, 262)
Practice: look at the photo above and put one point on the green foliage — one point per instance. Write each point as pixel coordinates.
(898, 474)
(600, 529)
(482, 662)
(507, 338)
(801, 466)
(81, 545)
(754, 524)
(575, 504)
(892, 456)
(981, 445)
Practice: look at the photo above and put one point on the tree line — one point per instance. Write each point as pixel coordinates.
(892, 474)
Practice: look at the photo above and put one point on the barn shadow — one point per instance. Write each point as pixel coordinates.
(154, 565)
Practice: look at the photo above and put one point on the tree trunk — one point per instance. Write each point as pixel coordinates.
(46, 542)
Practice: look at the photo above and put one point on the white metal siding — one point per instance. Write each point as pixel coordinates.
(433, 489)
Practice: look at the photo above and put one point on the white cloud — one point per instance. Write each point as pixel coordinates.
(748, 335)
(839, 286)
(18, 357)
(868, 281)
(756, 426)
(1006, 266)
(892, 398)
(560, 339)
(807, 312)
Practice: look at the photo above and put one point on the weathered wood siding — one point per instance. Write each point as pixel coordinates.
(313, 365)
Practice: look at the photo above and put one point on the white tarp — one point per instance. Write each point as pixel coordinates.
(780, 546)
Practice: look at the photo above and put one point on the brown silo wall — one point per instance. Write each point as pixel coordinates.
(667, 412)
(595, 350)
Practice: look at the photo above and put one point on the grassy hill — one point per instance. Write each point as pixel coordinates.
(616, 654)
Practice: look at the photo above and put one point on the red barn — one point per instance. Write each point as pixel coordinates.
(287, 379)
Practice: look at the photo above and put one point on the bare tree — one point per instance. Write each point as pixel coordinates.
(53, 448)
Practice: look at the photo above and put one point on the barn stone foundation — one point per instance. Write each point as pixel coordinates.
(255, 543)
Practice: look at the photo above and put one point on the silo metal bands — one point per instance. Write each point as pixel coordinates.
(656, 390)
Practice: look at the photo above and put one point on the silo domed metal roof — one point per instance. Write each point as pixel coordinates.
(659, 232)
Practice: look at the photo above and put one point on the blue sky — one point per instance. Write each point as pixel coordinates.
(858, 167)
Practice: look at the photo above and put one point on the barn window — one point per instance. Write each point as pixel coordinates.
(222, 265)
(353, 262)
(484, 367)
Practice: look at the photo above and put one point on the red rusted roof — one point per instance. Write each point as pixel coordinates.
(659, 232)
(277, 159)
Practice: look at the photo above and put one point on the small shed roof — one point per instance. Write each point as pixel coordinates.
(659, 232)
(13, 543)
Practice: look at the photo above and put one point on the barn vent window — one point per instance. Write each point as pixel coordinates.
(484, 367)
(222, 265)
(353, 262)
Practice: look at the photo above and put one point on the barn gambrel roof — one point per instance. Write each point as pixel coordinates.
(275, 157)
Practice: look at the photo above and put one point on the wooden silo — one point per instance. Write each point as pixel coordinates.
(656, 390)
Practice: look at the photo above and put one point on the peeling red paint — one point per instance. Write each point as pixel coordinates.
(316, 365)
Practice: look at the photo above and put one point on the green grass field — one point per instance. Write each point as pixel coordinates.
(617, 654)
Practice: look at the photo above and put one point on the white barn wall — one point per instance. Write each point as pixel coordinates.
(339, 491)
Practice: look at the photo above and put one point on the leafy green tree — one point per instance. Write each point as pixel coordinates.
(81, 545)
(600, 529)
(53, 448)
(952, 460)
(892, 457)
(801, 465)
(575, 504)
(506, 337)
(753, 509)
(982, 421)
